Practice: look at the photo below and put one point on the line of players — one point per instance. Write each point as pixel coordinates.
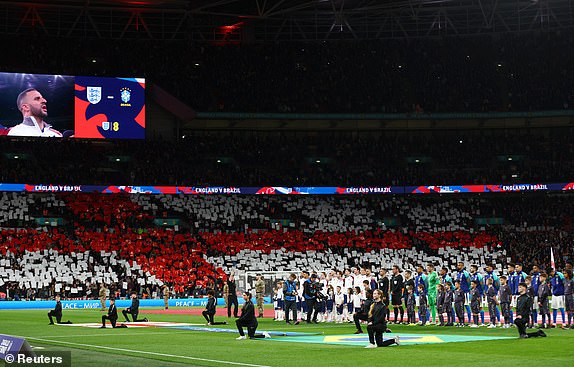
(437, 297)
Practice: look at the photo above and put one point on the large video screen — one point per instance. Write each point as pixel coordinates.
(38, 105)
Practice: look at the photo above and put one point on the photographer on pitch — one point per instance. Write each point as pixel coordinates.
(290, 294)
(310, 289)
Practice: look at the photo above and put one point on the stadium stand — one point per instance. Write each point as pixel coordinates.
(290, 159)
(524, 72)
(113, 238)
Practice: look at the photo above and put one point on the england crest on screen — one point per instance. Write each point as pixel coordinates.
(94, 94)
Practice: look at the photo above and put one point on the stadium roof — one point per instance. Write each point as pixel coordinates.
(278, 20)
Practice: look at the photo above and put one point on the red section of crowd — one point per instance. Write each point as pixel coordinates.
(436, 240)
(177, 258)
(115, 223)
(294, 240)
(109, 210)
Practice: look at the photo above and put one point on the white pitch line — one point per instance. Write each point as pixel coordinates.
(145, 352)
(118, 334)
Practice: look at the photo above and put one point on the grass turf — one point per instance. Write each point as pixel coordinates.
(155, 347)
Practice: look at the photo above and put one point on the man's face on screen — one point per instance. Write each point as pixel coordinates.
(35, 105)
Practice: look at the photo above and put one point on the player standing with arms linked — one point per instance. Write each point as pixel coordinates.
(463, 277)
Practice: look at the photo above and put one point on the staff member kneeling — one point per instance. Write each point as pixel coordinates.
(112, 316)
(248, 319)
(377, 323)
(134, 309)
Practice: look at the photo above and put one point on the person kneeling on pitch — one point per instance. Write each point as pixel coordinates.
(377, 323)
(112, 315)
(134, 309)
(57, 313)
(364, 314)
(209, 311)
(249, 320)
(523, 307)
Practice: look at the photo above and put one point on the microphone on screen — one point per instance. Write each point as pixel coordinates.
(68, 134)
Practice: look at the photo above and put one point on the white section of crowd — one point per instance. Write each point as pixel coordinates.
(74, 271)
(16, 206)
(408, 259)
(326, 213)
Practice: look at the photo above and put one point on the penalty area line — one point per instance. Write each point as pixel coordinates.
(145, 352)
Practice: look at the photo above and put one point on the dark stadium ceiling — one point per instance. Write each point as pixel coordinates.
(230, 21)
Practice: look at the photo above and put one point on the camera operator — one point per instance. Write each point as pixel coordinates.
(364, 314)
(290, 294)
(310, 288)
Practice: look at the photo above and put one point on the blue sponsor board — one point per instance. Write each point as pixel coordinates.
(120, 303)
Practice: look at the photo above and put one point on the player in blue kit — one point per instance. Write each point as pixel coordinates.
(535, 274)
(512, 282)
(557, 282)
(530, 292)
(463, 277)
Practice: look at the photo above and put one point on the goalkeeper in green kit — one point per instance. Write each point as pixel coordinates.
(432, 281)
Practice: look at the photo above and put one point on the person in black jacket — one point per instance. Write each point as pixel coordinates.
(364, 314)
(310, 295)
(383, 284)
(134, 309)
(249, 320)
(523, 307)
(440, 303)
(232, 296)
(57, 313)
(112, 314)
(209, 311)
(448, 301)
(377, 323)
(397, 286)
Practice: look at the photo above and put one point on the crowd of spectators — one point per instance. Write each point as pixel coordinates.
(525, 72)
(295, 159)
(217, 234)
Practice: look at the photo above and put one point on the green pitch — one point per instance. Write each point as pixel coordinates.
(170, 347)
